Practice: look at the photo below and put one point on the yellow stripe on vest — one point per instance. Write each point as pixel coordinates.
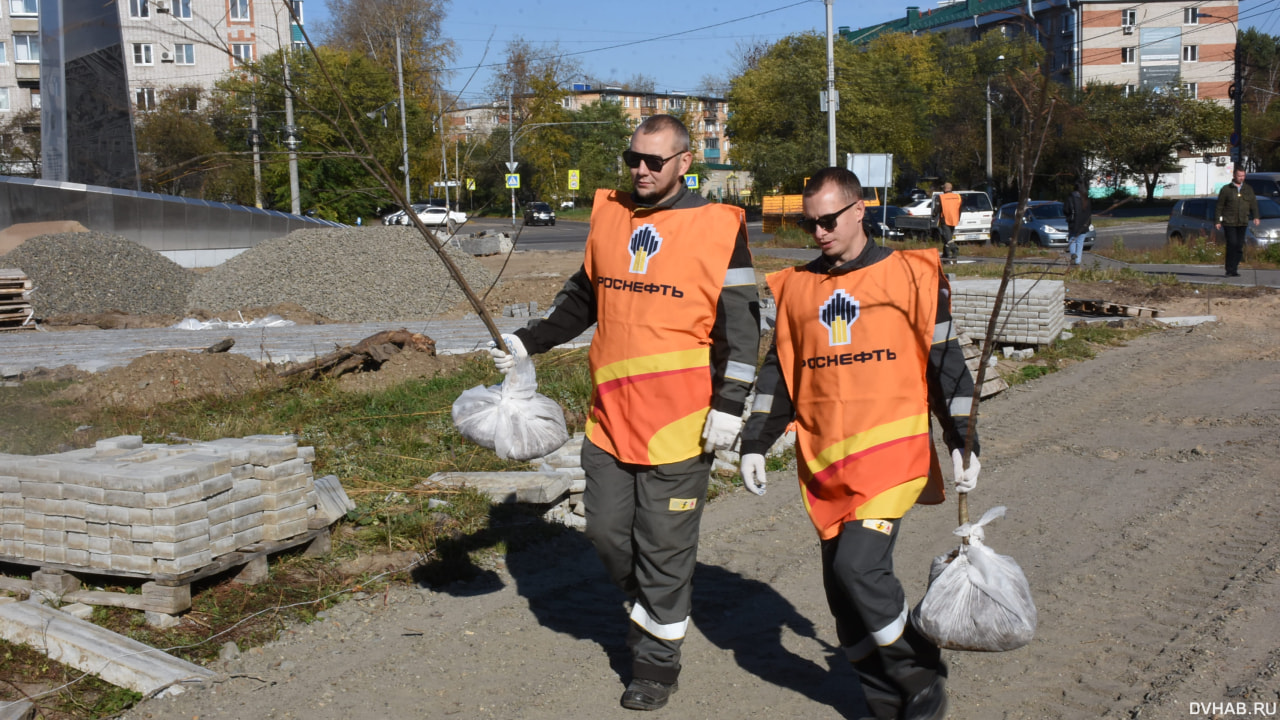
(888, 432)
(662, 362)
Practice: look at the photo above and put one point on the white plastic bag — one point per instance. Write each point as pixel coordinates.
(511, 419)
(977, 599)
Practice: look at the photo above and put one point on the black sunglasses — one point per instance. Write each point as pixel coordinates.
(826, 222)
(655, 163)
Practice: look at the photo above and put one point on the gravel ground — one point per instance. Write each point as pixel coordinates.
(379, 274)
(93, 272)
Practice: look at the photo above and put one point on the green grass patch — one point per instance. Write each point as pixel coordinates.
(27, 672)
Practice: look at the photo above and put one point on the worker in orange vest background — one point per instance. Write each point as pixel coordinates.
(864, 348)
(947, 214)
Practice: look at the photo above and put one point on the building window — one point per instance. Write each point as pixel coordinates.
(1128, 55)
(24, 7)
(1190, 16)
(1190, 53)
(1129, 90)
(187, 99)
(297, 12)
(675, 104)
(239, 10)
(139, 9)
(145, 98)
(1191, 90)
(711, 143)
(35, 99)
(1128, 18)
(182, 9)
(26, 48)
(142, 54)
(4, 100)
(4, 54)
(241, 53)
(184, 54)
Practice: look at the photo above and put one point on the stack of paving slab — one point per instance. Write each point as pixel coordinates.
(15, 305)
(1032, 312)
(130, 507)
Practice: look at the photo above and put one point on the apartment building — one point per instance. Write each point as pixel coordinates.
(707, 116)
(167, 44)
(1148, 43)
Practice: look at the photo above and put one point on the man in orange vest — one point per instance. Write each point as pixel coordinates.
(864, 348)
(667, 279)
(947, 213)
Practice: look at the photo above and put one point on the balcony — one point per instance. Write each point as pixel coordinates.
(711, 153)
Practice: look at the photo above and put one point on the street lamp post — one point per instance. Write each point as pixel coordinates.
(1236, 91)
(990, 177)
(511, 144)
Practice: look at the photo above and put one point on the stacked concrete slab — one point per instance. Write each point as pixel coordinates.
(1031, 314)
(137, 508)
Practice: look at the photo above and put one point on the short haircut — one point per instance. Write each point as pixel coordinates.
(848, 183)
(1236, 169)
(946, 187)
(658, 123)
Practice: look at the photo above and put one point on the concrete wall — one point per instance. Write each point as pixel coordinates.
(192, 233)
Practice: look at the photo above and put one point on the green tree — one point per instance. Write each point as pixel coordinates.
(370, 28)
(596, 150)
(181, 153)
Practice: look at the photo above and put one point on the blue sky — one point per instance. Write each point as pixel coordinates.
(674, 42)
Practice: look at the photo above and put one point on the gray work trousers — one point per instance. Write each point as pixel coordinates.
(643, 521)
(892, 659)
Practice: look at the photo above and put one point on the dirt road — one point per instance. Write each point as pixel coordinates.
(1141, 489)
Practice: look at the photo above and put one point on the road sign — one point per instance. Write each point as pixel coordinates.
(471, 183)
(691, 181)
(446, 183)
(511, 166)
(513, 181)
(573, 179)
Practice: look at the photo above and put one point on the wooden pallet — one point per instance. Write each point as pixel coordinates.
(164, 593)
(1106, 307)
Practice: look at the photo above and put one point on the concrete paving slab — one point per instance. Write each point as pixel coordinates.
(97, 350)
(115, 658)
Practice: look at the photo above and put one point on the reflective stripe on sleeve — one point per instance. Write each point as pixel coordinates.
(672, 631)
(740, 371)
(887, 634)
(942, 332)
(762, 404)
(739, 276)
(961, 405)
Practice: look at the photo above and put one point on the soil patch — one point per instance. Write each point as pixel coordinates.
(169, 376)
(402, 367)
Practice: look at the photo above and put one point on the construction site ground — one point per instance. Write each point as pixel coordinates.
(1142, 506)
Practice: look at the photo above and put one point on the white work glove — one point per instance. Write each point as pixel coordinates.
(752, 469)
(504, 361)
(966, 480)
(720, 431)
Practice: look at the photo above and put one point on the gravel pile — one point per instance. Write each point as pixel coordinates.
(93, 272)
(366, 274)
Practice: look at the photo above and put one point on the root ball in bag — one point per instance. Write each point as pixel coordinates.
(511, 419)
(977, 599)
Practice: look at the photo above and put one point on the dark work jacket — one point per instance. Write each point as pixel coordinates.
(1237, 206)
(1078, 213)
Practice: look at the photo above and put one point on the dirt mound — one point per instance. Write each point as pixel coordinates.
(402, 367)
(172, 375)
(14, 235)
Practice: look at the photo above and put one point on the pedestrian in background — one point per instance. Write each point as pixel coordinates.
(1237, 204)
(864, 348)
(668, 282)
(1079, 214)
(947, 212)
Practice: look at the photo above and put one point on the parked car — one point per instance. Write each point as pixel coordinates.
(1264, 184)
(918, 222)
(919, 207)
(539, 213)
(880, 221)
(566, 204)
(915, 194)
(1195, 217)
(1045, 224)
(430, 215)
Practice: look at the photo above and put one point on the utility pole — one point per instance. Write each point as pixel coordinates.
(404, 130)
(444, 150)
(1237, 101)
(291, 140)
(257, 152)
(511, 152)
(833, 100)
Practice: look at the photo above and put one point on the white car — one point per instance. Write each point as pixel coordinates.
(430, 215)
(919, 207)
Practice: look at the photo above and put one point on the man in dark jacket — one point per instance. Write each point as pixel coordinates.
(1079, 216)
(1236, 206)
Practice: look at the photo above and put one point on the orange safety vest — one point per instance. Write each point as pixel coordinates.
(950, 204)
(657, 278)
(854, 349)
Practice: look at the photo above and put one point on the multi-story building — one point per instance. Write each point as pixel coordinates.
(707, 116)
(1142, 43)
(167, 44)
(1150, 44)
